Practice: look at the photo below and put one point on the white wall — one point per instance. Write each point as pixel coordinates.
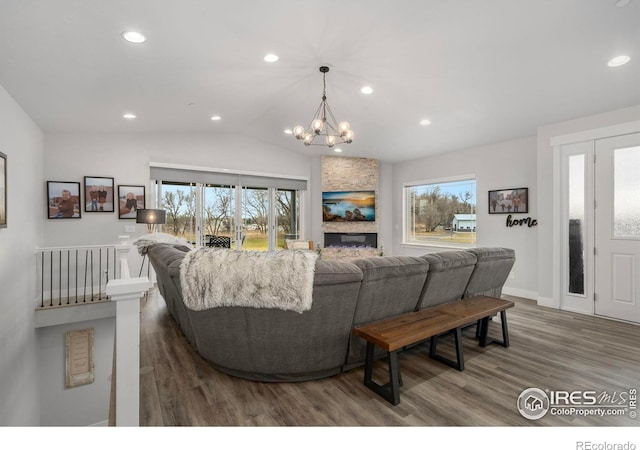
(81, 405)
(545, 187)
(503, 165)
(22, 141)
(386, 196)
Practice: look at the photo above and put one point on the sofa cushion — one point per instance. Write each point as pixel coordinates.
(449, 273)
(166, 253)
(391, 286)
(390, 267)
(491, 253)
(491, 271)
(336, 272)
(439, 262)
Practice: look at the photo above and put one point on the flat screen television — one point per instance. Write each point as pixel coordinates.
(349, 206)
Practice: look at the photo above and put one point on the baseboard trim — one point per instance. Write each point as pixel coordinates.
(547, 302)
(520, 293)
(577, 310)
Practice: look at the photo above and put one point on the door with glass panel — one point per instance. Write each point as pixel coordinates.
(179, 199)
(617, 227)
(287, 213)
(577, 227)
(269, 217)
(255, 218)
(218, 216)
(243, 212)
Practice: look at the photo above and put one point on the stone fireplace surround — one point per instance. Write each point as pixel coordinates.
(360, 239)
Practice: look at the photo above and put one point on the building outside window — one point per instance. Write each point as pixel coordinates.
(440, 212)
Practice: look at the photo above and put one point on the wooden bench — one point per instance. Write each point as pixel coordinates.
(396, 333)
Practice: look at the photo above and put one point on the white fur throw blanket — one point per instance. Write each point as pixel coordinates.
(214, 277)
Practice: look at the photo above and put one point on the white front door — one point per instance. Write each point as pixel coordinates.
(617, 227)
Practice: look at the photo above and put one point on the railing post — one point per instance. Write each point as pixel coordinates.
(127, 292)
(122, 256)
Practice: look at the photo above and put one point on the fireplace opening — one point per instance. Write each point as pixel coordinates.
(351, 240)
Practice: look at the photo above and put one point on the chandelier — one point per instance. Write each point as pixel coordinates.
(324, 124)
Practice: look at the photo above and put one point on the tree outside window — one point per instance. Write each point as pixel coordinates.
(441, 213)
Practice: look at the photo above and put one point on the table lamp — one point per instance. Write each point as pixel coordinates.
(152, 217)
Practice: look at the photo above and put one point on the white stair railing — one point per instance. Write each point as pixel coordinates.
(78, 274)
(81, 275)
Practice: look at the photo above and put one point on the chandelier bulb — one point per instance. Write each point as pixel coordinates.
(317, 125)
(308, 139)
(343, 126)
(348, 136)
(298, 131)
(331, 140)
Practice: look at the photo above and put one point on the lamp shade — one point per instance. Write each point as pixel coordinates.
(151, 216)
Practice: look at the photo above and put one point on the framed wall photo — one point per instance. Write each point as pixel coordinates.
(509, 201)
(63, 200)
(130, 200)
(98, 194)
(3, 190)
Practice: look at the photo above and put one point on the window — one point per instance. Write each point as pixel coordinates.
(179, 201)
(576, 185)
(441, 212)
(255, 212)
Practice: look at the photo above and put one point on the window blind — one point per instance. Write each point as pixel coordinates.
(225, 178)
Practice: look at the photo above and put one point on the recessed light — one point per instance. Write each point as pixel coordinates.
(214, 118)
(134, 37)
(288, 131)
(367, 90)
(337, 150)
(129, 116)
(619, 61)
(621, 3)
(271, 57)
(425, 122)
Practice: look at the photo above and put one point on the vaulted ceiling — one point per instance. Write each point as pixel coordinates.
(480, 71)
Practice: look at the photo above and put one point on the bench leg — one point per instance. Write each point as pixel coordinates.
(459, 363)
(391, 390)
(505, 329)
(484, 331)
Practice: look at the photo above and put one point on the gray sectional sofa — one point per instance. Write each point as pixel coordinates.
(277, 345)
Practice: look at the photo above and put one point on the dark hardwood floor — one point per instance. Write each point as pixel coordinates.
(550, 349)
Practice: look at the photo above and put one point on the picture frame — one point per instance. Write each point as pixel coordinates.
(63, 200)
(99, 194)
(349, 206)
(131, 198)
(3, 190)
(509, 201)
(79, 357)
